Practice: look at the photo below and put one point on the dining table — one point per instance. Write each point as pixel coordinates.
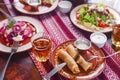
(24, 66)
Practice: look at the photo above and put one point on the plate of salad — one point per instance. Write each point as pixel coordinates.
(21, 31)
(94, 17)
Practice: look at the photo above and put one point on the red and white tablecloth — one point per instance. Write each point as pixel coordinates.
(60, 28)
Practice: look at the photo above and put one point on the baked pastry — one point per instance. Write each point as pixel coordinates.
(72, 65)
(73, 52)
(23, 1)
(48, 2)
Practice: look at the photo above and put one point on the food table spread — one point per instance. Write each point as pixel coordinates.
(24, 66)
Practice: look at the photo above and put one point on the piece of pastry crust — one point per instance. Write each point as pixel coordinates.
(48, 2)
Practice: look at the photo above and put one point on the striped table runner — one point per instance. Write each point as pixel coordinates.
(60, 28)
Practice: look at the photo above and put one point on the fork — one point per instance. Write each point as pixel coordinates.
(8, 16)
(93, 57)
(14, 47)
(13, 50)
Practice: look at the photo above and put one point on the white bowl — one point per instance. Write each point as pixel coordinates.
(65, 6)
(82, 44)
(34, 3)
(98, 38)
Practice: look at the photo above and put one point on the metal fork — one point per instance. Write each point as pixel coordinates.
(93, 57)
(8, 16)
(13, 50)
(14, 47)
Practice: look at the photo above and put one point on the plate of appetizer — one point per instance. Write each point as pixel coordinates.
(78, 68)
(94, 17)
(42, 7)
(21, 31)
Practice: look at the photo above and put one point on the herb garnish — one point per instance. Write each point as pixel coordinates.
(10, 25)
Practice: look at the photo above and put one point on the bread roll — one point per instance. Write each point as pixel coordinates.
(71, 64)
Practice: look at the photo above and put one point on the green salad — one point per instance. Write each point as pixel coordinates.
(94, 16)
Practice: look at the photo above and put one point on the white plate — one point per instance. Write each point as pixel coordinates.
(73, 19)
(34, 22)
(41, 10)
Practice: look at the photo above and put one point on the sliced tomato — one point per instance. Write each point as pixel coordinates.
(102, 24)
(77, 16)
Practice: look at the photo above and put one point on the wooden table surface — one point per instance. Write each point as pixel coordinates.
(2, 16)
(21, 66)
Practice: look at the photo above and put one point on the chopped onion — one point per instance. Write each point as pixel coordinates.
(20, 23)
(27, 32)
(16, 29)
(9, 38)
(3, 29)
(18, 32)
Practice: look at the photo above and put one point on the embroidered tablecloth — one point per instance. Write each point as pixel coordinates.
(60, 28)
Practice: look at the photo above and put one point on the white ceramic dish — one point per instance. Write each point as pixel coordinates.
(34, 4)
(41, 9)
(105, 30)
(65, 6)
(98, 38)
(82, 44)
(34, 22)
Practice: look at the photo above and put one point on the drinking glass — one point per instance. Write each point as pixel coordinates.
(116, 35)
(41, 46)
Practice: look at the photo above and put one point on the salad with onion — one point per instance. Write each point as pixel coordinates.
(94, 16)
(16, 32)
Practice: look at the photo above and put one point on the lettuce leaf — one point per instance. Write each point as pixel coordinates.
(104, 18)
